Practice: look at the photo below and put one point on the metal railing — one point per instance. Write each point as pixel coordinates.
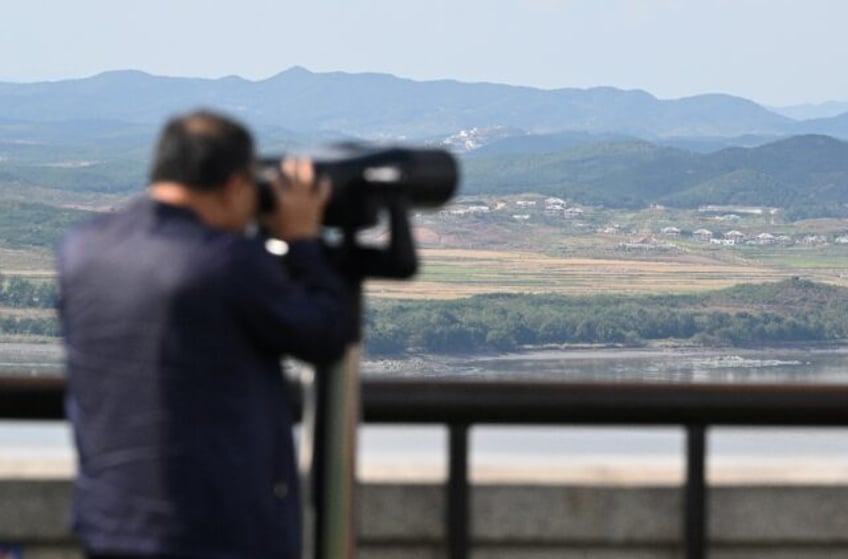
(459, 404)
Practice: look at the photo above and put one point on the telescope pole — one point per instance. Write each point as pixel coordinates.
(336, 534)
(331, 414)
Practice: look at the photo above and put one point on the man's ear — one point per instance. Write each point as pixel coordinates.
(231, 190)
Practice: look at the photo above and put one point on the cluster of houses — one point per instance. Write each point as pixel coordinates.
(707, 236)
(525, 209)
(732, 238)
(553, 207)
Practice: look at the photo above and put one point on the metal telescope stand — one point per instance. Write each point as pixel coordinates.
(331, 409)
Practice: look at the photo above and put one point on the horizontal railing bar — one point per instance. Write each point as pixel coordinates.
(23, 397)
(518, 402)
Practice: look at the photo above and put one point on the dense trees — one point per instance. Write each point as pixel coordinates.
(789, 311)
(26, 326)
(18, 292)
(29, 224)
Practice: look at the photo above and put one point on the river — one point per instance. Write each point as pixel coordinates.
(572, 454)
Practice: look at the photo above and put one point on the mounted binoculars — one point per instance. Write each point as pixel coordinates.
(367, 178)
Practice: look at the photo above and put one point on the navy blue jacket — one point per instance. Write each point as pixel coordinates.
(174, 333)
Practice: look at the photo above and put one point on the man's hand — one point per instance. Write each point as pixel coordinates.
(300, 201)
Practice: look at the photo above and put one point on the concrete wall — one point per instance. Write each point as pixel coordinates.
(527, 522)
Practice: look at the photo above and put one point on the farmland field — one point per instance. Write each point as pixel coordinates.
(28, 263)
(448, 274)
(606, 252)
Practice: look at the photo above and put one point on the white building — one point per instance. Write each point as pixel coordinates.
(703, 235)
(723, 242)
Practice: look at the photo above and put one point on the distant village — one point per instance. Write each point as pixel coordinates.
(723, 234)
(553, 207)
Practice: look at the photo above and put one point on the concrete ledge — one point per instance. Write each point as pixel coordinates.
(34, 511)
(524, 521)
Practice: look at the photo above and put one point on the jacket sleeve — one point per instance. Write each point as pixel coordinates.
(300, 309)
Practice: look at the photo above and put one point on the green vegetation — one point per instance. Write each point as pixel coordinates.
(783, 312)
(20, 293)
(40, 327)
(805, 176)
(17, 292)
(28, 224)
(112, 176)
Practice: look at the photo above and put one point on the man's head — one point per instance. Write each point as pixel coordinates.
(202, 150)
(204, 160)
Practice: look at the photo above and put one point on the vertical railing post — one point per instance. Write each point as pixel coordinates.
(457, 513)
(695, 501)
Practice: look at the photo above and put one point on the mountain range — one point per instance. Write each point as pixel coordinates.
(376, 106)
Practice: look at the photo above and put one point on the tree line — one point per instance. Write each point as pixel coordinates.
(18, 292)
(29, 326)
(21, 293)
(785, 312)
(791, 311)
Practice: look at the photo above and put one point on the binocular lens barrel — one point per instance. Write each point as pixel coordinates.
(432, 178)
(366, 177)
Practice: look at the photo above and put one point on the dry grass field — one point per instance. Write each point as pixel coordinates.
(456, 273)
(449, 274)
(32, 263)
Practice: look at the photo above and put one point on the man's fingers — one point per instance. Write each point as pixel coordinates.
(298, 172)
(323, 189)
(288, 167)
(305, 172)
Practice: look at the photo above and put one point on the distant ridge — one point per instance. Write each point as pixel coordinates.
(384, 106)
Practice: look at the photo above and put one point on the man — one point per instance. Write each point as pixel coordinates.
(174, 323)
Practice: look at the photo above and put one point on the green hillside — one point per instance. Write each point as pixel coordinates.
(806, 176)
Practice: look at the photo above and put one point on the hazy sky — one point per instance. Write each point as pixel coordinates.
(777, 52)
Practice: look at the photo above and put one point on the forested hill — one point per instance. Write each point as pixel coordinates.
(804, 175)
(791, 311)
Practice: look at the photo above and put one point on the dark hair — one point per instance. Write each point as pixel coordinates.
(201, 150)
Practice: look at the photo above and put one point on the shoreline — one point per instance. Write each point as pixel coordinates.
(54, 346)
(656, 362)
(707, 357)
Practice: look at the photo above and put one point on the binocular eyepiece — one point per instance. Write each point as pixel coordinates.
(367, 177)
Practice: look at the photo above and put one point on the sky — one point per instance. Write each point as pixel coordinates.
(775, 52)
